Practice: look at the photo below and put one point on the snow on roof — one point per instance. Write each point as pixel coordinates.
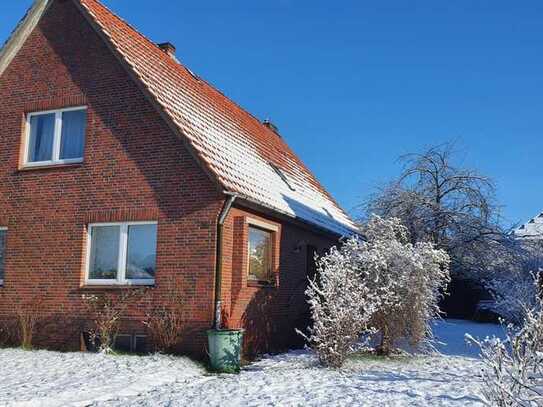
(236, 147)
(532, 229)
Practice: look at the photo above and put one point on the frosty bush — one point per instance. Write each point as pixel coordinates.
(165, 320)
(106, 310)
(514, 293)
(418, 274)
(342, 302)
(513, 369)
(372, 284)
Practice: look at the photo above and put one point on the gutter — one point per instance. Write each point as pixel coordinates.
(217, 323)
(262, 206)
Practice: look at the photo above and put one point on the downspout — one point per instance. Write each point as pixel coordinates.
(217, 323)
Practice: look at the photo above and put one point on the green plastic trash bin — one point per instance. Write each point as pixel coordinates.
(225, 349)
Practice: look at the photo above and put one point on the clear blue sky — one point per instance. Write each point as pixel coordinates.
(354, 84)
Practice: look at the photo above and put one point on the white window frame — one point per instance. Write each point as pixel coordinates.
(56, 139)
(123, 252)
(3, 229)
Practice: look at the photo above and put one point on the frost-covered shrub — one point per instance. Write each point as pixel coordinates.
(106, 310)
(369, 284)
(343, 299)
(513, 368)
(514, 292)
(418, 276)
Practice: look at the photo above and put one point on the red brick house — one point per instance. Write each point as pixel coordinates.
(120, 168)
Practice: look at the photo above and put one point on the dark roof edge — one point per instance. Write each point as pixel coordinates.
(259, 206)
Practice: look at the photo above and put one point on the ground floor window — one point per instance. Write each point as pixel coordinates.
(122, 253)
(261, 247)
(3, 235)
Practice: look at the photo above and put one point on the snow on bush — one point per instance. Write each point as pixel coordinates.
(106, 310)
(514, 293)
(367, 285)
(420, 275)
(513, 368)
(343, 299)
(511, 278)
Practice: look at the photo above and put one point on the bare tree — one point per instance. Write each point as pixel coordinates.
(452, 207)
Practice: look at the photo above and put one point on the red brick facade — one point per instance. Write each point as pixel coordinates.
(135, 168)
(269, 314)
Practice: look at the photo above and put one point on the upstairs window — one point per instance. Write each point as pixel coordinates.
(122, 253)
(55, 137)
(260, 254)
(3, 234)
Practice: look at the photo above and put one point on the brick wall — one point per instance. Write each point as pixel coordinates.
(134, 169)
(269, 314)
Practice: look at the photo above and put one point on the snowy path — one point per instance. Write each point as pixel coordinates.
(76, 379)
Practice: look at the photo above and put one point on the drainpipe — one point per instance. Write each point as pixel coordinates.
(217, 324)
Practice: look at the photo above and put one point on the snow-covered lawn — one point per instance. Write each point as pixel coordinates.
(44, 378)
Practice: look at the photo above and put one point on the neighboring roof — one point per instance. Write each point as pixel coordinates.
(531, 230)
(231, 144)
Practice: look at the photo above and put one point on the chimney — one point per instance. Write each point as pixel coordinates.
(168, 48)
(271, 126)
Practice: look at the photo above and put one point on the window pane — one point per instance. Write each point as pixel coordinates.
(259, 254)
(3, 234)
(73, 134)
(104, 255)
(141, 257)
(42, 134)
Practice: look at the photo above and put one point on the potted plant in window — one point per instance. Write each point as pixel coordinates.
(225, 345)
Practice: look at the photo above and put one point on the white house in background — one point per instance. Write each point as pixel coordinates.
(532, 229)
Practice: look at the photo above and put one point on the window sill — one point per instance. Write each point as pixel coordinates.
(113, 287)
(49, 166)
(261, 284)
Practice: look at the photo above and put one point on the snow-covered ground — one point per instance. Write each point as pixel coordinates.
(44, 378)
